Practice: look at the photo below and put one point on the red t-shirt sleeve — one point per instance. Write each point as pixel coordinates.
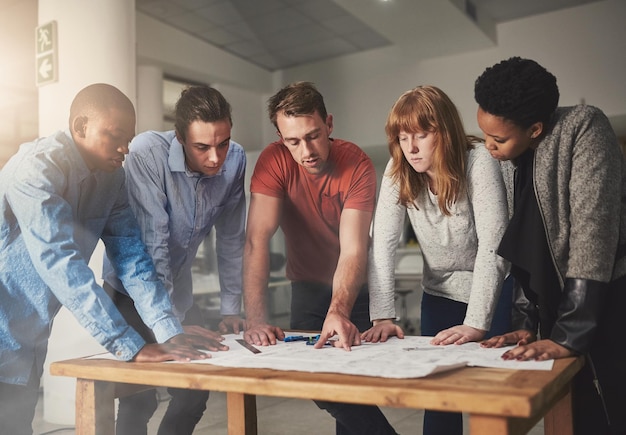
(362, 192)
(268, 177)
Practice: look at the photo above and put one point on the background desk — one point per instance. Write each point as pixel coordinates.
(498, 401)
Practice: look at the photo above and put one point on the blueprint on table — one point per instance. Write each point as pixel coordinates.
(411, 357)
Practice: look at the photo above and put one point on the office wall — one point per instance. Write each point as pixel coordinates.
(245, 85)
(18, 110)
(585, 47)
(248, 115)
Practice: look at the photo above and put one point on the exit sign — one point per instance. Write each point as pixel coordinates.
(46, 53)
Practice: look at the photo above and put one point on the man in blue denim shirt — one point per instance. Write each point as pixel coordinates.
(181, 184)
(58, 196)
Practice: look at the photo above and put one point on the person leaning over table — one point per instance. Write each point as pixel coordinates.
(566, 240)
(455, 198)
(58, 196)
(181, 184)
(321, 191)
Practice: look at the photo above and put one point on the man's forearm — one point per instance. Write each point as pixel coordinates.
(255, 280)
(347, 282)
(255, 306)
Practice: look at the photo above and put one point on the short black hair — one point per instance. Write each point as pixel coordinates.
(519, 90)
(99, 98)
(200, 103)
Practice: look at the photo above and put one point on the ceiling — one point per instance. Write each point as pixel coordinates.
(277, 34)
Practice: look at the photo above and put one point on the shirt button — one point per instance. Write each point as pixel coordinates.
(118, 353)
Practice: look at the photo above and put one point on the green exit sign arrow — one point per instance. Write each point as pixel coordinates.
(46, 53)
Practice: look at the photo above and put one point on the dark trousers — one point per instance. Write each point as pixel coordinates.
(17, 405)
(441, 313)
(309, 305)
(186, 406)
(599, 389)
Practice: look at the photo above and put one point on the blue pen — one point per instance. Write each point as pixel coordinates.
(295, 338)
(312, 340)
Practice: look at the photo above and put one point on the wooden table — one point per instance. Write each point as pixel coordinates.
(499, 401)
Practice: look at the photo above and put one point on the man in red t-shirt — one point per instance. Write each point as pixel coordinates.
(322, 193)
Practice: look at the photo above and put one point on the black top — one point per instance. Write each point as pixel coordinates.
(525, 245)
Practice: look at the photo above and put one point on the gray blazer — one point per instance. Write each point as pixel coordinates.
(580, 185)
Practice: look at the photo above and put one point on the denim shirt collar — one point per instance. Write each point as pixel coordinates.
(176, 159)
(82, 170)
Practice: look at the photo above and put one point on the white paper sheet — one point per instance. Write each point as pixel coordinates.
(411, 357)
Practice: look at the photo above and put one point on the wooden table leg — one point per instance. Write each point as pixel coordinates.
(488, 424)
(559, 419)
(491, 424)
(95, 407)
(241, 410)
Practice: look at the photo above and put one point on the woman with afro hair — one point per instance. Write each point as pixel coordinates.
(566, 239)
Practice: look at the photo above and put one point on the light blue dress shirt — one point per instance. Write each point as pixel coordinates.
(53, 210)
(177, 208)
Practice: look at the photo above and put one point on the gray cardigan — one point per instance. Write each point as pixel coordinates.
(580, 185)
(460, 251)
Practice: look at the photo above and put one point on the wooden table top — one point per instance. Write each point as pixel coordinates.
(501, 392)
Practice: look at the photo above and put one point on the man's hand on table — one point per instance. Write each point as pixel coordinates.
(182, 347)
(340, 325)
(168, 352)
(263, 334)
(234, 324)
(202, 332)
(197, 341)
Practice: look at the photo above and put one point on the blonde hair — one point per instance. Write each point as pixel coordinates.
(429, 109)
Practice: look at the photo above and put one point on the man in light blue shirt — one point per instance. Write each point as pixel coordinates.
(181, 184)
(58, 196)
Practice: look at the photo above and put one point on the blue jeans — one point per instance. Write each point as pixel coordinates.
(186, 406)
(309, 305)
(441, 313)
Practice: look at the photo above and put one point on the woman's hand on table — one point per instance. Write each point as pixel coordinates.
(519, 337)
(528, 347)
(540, 350)
(381, 331)
(459, 334)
